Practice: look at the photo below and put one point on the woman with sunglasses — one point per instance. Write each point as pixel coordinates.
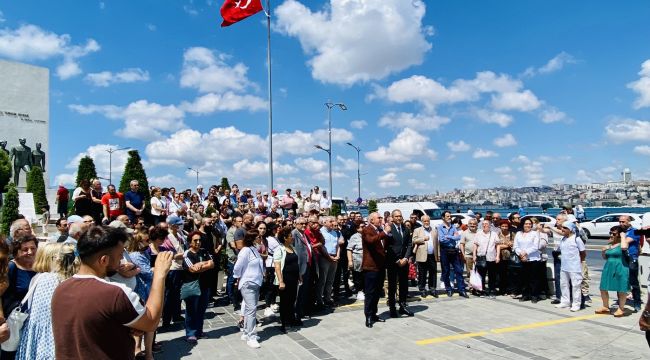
(615, 273)
(196, 288)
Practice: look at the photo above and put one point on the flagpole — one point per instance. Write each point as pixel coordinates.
(268, 59)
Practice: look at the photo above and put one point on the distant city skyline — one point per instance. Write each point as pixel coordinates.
(439, 95)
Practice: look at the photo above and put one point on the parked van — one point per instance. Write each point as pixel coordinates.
(342, 205)
(407, 208)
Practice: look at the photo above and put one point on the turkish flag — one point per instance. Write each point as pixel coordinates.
(233, 11)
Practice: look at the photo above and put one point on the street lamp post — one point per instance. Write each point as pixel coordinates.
(329, 106)
(110, 152)
(358, 149)
(197, 175)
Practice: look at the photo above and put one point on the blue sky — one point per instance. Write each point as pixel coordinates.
(440, 95)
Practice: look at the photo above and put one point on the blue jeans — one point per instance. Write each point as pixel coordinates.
(230, 283)
(172, 306)
(195, 307)
(634, 281)
(451, 265)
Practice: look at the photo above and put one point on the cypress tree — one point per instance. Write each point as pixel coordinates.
(133, 170)
(372, 206)
(9, 209)
(36, 186)
(224, 183)
(5, 171)
(86, 170)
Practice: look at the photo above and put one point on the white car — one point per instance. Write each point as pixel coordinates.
(464, 218)
(600, 226)
(543, 218)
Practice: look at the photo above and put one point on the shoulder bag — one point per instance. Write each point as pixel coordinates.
(17, 319)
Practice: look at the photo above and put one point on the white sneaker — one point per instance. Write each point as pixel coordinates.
(268, 312)
(244, 337)
(574, 309)
(253, 343)
(360, 296)
(275, 308)
(562, 306)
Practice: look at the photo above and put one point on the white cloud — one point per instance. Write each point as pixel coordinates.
(107, 78)
(520, 101)
(167, 180)
(302, 143)
(503, 170)
(311, 165)
(551, 115)
(2, 17)
(345, 57)
(469, 182)
(211, 102)
(621, 130)
(30, 42)
(583, 176)
(358, 124)
(493, 117)
(208, 72)
(482, 154)
(415, 121)
(557, 63)
(388, 180)
(348, 164)
(642, 86)
(190, 10)
(505, 141)
(246, 169)
(458, 146)
(142, 120)
(408, 145)
(102, 159)
(325, 175)
(532, 171)
(65, 179)
(642, 149)
(418, 185)
(521, 159)
(151, 27)
(414, 167)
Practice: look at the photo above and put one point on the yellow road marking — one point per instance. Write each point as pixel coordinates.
(450, 338)
(507, 329)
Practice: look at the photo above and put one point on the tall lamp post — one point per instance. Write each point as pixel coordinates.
(358, 149)
(110, 152)
(329, 106)
(197, 175)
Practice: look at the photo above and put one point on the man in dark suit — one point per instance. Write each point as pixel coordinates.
(398, 253)
(373, 264)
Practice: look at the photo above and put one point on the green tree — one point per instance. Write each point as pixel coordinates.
(133, 170)
(5, 171)
(335, 210)
(224, 183)
(9, 209)
(86, 170)
(36, 186)
(372, 206)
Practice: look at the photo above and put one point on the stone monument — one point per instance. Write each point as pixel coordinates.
(24, 118)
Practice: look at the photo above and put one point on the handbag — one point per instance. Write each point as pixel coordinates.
(17, 319)
(475, 280)
(514, 259)
(190, 289)
(412, 272)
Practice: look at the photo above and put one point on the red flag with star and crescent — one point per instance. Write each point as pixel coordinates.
(233, 11)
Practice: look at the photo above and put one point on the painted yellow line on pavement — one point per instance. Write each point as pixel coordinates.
(507, 329)
(450, 338)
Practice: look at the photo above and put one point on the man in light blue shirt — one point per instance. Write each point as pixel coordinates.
(448, 238)
(327, 261)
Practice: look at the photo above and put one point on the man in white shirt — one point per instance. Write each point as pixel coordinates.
(325, 203)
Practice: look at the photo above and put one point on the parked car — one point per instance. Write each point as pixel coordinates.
(600, 226)
(543, 218)
(464, 218)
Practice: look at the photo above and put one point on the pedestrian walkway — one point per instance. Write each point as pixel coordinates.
(444, 328)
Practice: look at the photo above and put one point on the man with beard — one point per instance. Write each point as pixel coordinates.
(101, 307)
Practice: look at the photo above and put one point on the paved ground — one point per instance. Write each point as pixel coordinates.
(444, 328)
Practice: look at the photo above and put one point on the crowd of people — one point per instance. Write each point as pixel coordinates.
(129, 269)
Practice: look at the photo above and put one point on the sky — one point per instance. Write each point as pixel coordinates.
(439, 94)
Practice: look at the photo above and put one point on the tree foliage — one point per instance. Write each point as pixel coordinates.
(5, 171)
(335, 210)
(372, 206)
(224, 183)
(9, 209)
(133, 170)
(36, 186)
(86, 170)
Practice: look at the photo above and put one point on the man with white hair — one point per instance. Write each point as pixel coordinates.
(328, 260)
(200, 193)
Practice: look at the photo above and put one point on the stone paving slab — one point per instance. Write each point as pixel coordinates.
(457, 328)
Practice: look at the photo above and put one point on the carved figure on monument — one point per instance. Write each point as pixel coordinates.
(3, 146)
(38, 157)
(22, 158)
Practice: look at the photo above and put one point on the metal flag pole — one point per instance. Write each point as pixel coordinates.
(268, 59)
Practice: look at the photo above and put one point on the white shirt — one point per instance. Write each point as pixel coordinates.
(430, 242)
(528, 242)
(249, 267)
(325, 203)
(158, 203)
(570, 248)
(486, 245)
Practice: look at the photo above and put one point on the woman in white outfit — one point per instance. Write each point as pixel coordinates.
(249, 273)
(572, 250)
